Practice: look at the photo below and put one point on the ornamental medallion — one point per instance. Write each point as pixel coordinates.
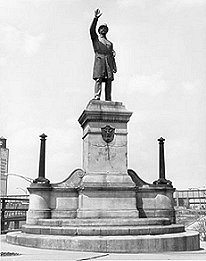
(108, 133)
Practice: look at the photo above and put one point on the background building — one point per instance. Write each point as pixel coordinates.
(4, 157)
(191, 198)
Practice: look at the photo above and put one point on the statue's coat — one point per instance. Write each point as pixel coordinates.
(104, 62)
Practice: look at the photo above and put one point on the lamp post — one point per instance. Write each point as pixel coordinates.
(24, 190)
(39, 202)
(41, 178)
(30, 180)
(162, 181)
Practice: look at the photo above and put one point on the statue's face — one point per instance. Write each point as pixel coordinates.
(103, 30)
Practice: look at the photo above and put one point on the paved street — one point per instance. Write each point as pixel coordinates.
(27, 253)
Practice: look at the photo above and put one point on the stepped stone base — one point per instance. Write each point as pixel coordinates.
(123, 235)
(105, 207)
(104, 222)
(185, 241)
(103, 231)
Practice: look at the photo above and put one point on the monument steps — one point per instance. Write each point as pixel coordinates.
(110, 244)
(103, 230)
(104, 222)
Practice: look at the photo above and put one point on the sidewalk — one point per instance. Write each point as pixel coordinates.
(27, 254)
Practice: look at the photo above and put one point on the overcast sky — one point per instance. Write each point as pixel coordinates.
(46, 61)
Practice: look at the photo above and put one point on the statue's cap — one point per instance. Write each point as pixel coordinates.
(103, 25)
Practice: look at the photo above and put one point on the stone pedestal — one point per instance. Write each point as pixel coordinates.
(39, 201)
(106, 189)
(104, 207)
(156, 202)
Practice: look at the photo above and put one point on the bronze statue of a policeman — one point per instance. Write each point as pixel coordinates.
(104, 64)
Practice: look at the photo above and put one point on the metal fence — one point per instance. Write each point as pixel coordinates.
(13, 212)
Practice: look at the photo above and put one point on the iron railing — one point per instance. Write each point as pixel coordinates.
(13, 212)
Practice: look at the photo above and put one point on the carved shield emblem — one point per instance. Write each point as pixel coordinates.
(108, 133)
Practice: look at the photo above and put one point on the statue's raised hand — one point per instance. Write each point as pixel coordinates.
(97, 13)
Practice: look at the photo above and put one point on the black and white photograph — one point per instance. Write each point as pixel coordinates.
(103, 129)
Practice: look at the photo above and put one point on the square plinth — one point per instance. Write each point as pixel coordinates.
(105, 138)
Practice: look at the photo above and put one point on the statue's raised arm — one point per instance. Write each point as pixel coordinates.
(97, 13)
(104, 64)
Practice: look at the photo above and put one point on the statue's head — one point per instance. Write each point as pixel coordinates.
(103, 29)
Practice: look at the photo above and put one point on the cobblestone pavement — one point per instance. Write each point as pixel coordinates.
(16, 253)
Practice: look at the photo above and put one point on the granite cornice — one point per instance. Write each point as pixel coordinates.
(106, 116)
